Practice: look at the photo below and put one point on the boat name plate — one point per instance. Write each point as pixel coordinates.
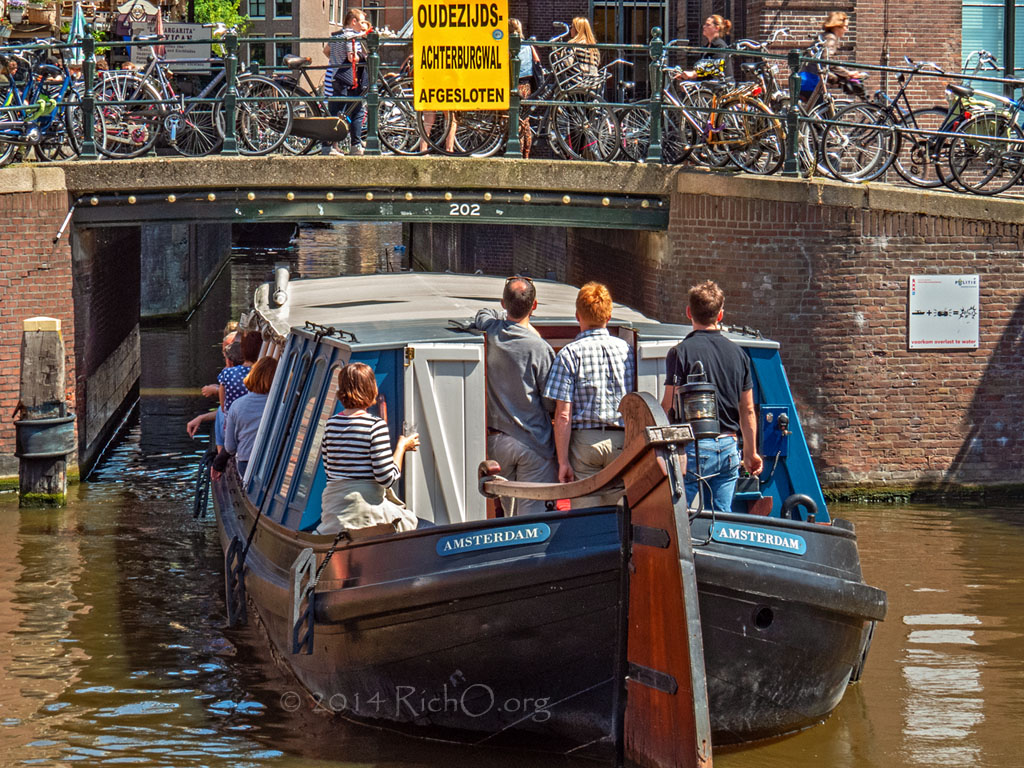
(764, 538)
(512, 536)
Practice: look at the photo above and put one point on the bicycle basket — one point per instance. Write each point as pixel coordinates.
(709, 68)
(576, 70)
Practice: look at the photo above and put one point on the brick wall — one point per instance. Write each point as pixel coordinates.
(830, 282)
(824, 269)
(35, 279)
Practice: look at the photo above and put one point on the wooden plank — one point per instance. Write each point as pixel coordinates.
(667, 723)
(42, 480)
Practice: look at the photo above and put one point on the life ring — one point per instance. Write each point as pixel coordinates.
(799, 500)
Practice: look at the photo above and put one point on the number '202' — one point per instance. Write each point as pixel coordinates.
(464, 209)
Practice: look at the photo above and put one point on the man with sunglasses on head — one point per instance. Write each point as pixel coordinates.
(519, 435)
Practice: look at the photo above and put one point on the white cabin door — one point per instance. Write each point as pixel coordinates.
(650, 365)
(445, 402)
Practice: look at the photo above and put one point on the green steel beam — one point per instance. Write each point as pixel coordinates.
(245, 206)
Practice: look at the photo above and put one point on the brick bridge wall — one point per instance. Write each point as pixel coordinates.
(823, 268)
(35, 279)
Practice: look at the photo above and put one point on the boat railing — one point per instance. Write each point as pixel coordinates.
(647, 428)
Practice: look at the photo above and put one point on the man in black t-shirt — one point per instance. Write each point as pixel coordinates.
(727, 367)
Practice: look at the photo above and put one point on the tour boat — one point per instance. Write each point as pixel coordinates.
(550, 627)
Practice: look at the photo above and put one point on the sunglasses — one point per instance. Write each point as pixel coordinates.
(518, 277)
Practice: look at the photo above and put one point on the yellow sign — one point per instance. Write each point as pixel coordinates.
(460, 55)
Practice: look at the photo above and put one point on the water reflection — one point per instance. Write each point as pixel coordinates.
(113, 648)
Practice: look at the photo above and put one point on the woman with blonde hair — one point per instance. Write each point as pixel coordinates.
(836, 25)
(581, 32)
(360, 466)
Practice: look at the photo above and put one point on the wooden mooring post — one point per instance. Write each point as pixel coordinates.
(44, 430)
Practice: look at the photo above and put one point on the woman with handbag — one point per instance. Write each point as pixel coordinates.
(529, 69)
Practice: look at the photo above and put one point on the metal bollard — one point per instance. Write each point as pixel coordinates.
(513, 148)
(230, 94)
(88, 99)
(657, 74)
(791, 166)
(372, 146)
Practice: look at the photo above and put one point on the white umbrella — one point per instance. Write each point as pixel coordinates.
(75, 35)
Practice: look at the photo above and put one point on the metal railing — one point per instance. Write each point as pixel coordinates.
(792, 120)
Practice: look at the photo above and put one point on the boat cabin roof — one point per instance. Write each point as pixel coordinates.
(383, 310)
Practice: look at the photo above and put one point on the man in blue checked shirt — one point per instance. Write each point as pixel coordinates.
(588, 378)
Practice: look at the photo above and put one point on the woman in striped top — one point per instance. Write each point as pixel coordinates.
(360, 465)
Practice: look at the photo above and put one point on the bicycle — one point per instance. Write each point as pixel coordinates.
(866, 139)
(40, 109)
(138, 106)
(582, 126)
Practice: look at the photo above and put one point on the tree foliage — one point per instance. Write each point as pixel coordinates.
(224, 11)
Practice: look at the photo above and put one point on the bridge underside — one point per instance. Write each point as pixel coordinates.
(556, 209)
(418, 189)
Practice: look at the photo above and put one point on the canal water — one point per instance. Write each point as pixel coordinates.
(113, 648)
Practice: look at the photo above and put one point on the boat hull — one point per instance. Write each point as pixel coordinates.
(477, 645)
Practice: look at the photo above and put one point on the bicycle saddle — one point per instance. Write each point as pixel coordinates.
(297, 62)
(960, 90)
(749, 68)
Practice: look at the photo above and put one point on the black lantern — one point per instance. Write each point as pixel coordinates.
(699, 404)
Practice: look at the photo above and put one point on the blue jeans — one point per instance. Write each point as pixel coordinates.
(354, 110)
(719, 468)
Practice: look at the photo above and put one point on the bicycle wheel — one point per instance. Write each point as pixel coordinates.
(461, 134)
(981, 158)
(303, 104)
(7, 153)
(585, 127)
(131, 128)
(678, 136)
(263, 116)
(920, 159)
(862, 143)
(74, 124)
(635, 133)
(397, 123)
(709, 148)
(193, 132)
(754, 139)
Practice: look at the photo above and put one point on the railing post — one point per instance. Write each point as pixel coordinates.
(230, 94)
(372, 146)
(88, 99)
(513, 148)
(791, 167)
(657, 74)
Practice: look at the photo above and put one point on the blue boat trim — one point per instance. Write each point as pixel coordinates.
(764, 538)
(512, 536)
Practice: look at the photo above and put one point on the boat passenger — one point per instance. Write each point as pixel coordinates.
(243, 421)
(213, 390)
(589, 377)
(727, 367)
(359, 463)
(519, 433)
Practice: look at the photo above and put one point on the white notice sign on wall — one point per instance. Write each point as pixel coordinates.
(943, 311)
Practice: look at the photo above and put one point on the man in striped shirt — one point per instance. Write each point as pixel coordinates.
(588, 378)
